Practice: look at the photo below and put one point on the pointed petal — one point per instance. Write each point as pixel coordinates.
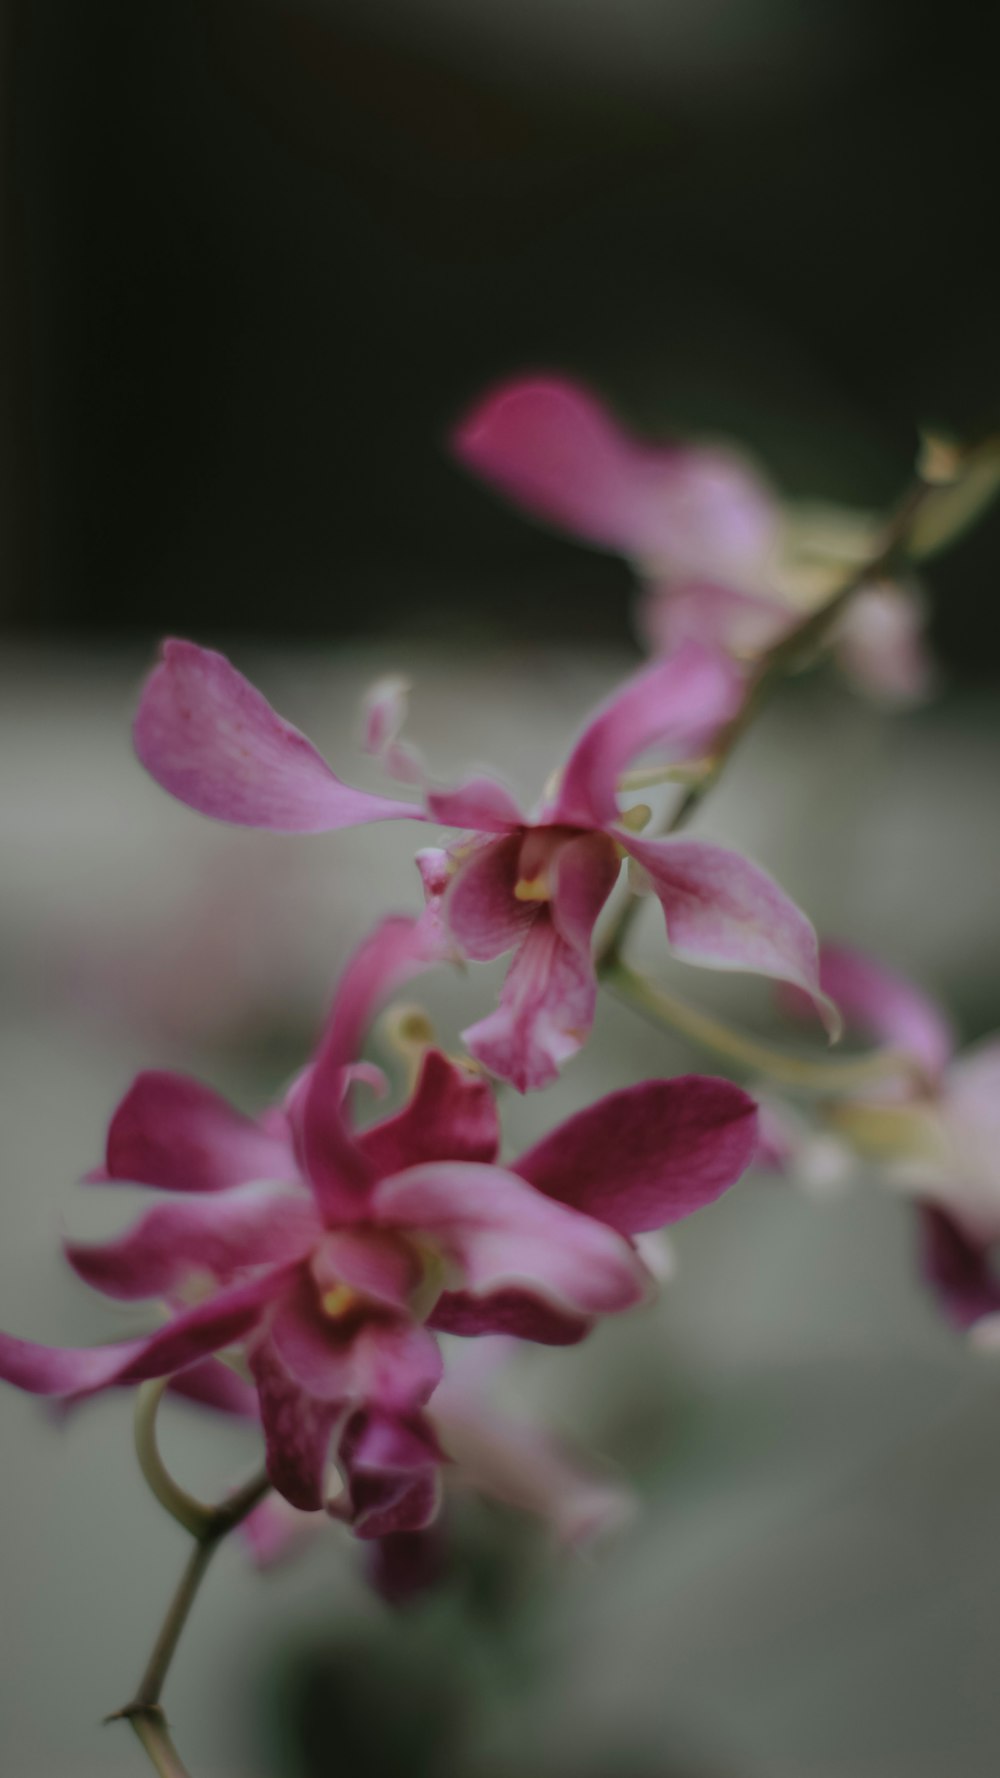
(727, 913)
(223, 1235)
(884, 1005)
(172, 1132)
(513, 1311)
(209, 738)
(189, 1336)
(451, 1116)
(500, 1232)
(677, 705)
(545, 1012)
(552, 447)
(649, 1155)
(334, 1163)
(479, 803)
(584, 872)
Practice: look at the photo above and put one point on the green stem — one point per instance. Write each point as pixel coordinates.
(836, 1075)
(208, 1525)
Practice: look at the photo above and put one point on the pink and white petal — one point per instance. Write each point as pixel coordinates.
(172, 1132)
(478, 803)
(882, 1004)
(545, 1011)
(583, 873)
(677, 705)
(881, 644)
(957, 1268)
(500, 1233)
(298, 1428)
(223, 1235)
(516, 1312)
(210, 739)
(703, 611)
(450, 1116)
(334, 1164)
(724, 912)
(187, 1338)
(481, 910)
(647, 1156)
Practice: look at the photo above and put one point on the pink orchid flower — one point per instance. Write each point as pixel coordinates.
(532, 883)
(937, 1138)
(720, 561)
(331, 1254)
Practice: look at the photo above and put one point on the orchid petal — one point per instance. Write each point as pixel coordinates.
(188, 1337)
(360, 1358)
(881, 644)
(649, 1155)
(172, 1132)
(741, 622)
(678, 704)
(481, 910)
(957, 1267)
(451, 1116)
(884, 1005)
(223, 1235)
(298, 1428)
(479, 803)
(513, 1311)
(390, 1467)
(726, 913)
(210, 739)
(583, 873)
(545, 1011)
(499, 1232)
(213, 1384)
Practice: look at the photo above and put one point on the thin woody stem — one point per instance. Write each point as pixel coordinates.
(208, 1527)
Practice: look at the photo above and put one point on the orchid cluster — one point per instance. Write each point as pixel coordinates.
(320, 1272)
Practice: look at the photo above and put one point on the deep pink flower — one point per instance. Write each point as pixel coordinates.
(534, 884)
(938, 1139)
(331, 1253)
(719, 561)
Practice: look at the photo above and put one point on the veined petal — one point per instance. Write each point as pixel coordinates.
(335, 1164)
(209, 738)
(172, 1132)
(479, 803)
(678, 705)
(649, 1155)
(451, 1116)
(361, 1358)
(584, 871)
(727, 913)
(500, 1233)
(481, 909)
(877, 1001)
(298, 1428)
(189, 1336)
(515, 1311)
(545, 1012)
(223, 1235)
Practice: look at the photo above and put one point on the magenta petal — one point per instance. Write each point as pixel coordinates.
(500, 1232)
(222, 1235)
(676, 705)
(584, 871)
(743, 623)
(172, 1132)
(209, 738)
(518, 1313)
(481, 910)
(648, 1155)
(545, 1011)
(336, 1167)
(191, 1335)
(727, 913)
(390, 1467)
(884, 1005)
(451, 1116)
(957, 1268)
(298, 1428)
(479, 803)
(382, 1361)
(213, 1384)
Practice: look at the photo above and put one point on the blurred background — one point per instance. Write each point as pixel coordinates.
(255, 259)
